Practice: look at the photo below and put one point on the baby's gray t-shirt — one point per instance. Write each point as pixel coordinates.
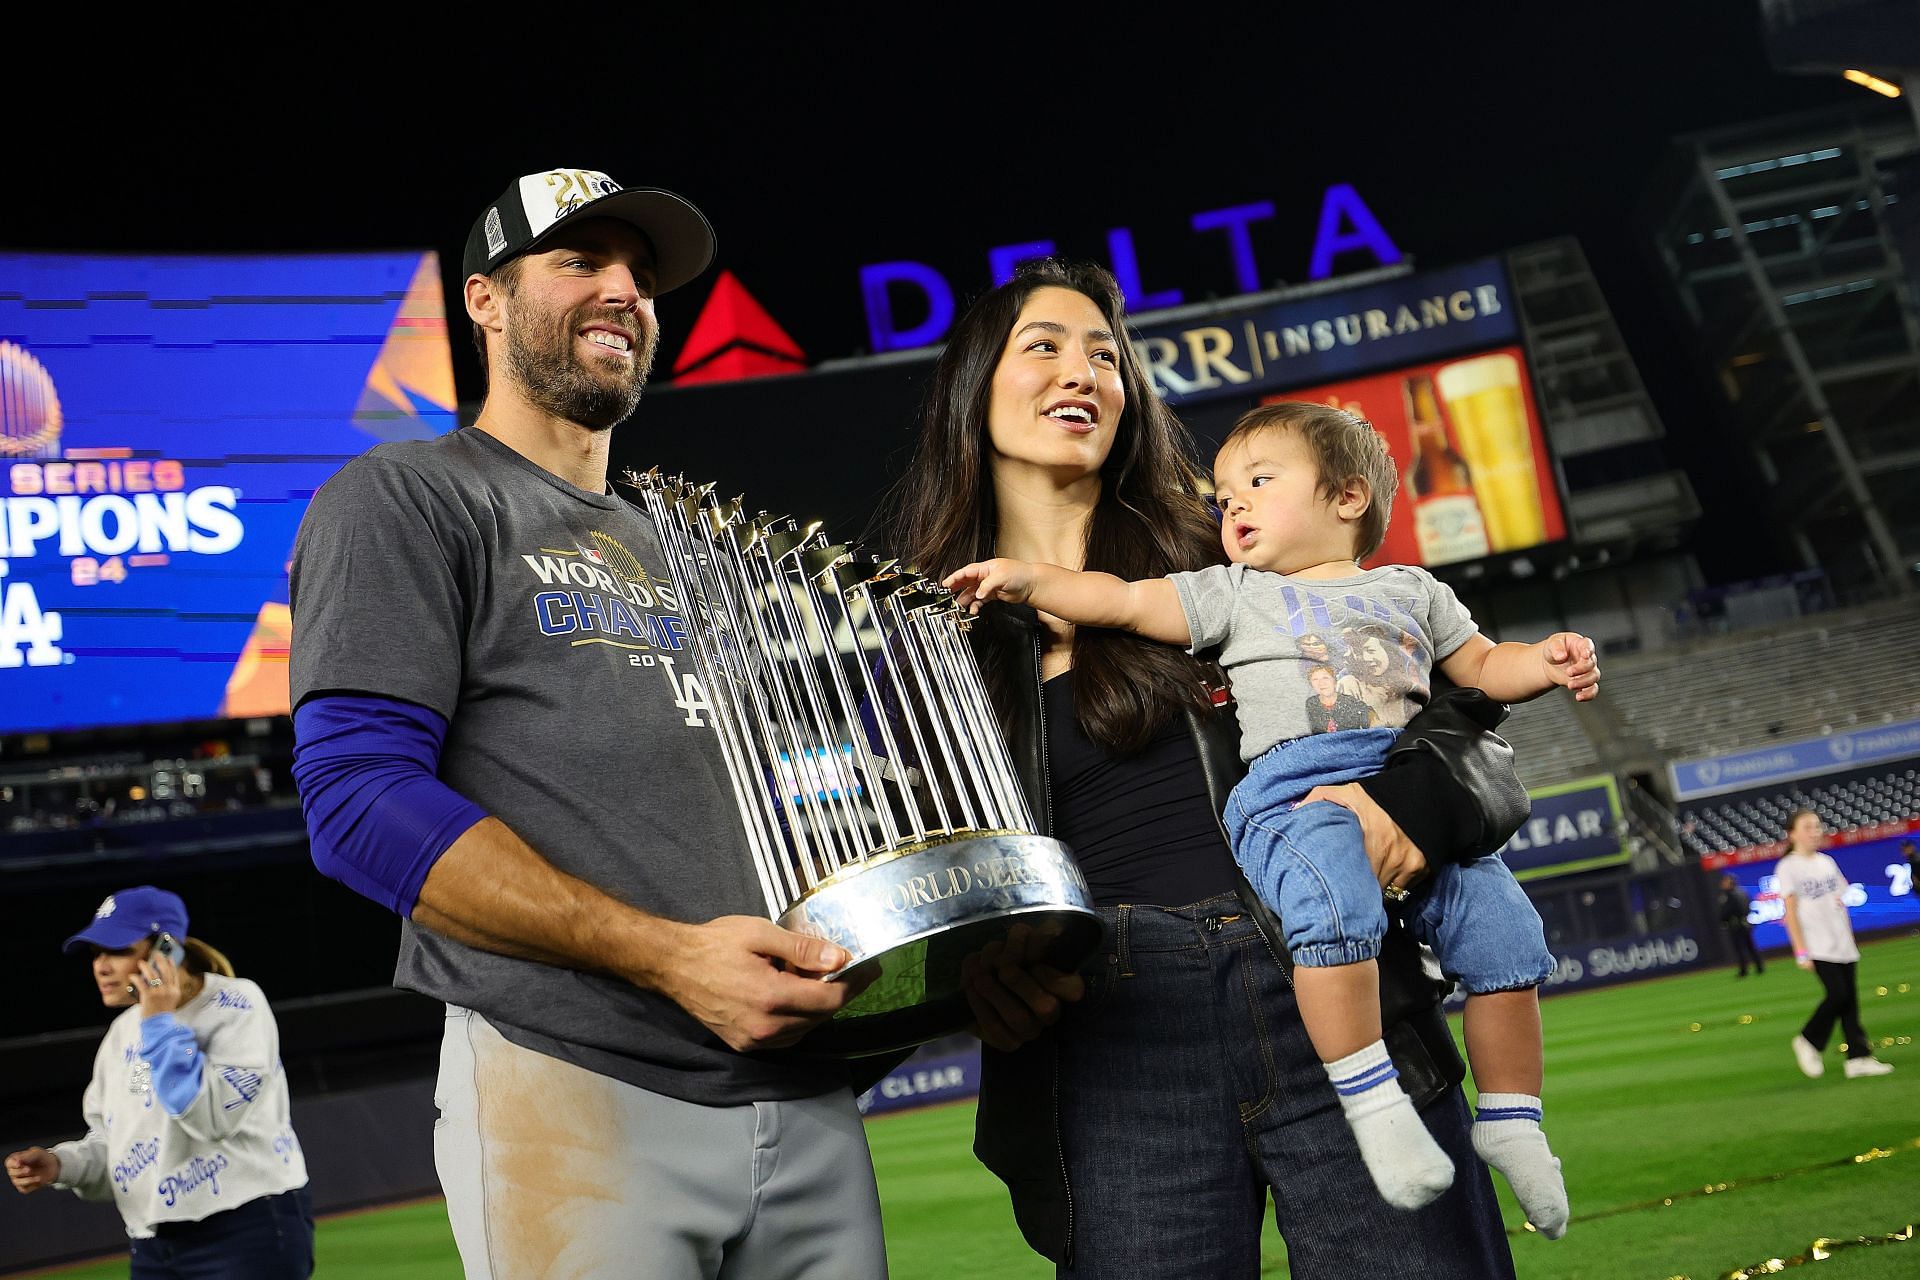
(1317, 655)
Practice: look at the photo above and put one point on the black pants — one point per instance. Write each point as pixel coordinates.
(1741, 935)
(1842, 1005)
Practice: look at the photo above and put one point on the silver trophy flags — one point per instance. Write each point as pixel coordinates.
(877, 796)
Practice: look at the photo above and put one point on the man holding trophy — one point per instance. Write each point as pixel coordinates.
(503, 736)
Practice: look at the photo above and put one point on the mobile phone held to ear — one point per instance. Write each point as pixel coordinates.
(169, 946)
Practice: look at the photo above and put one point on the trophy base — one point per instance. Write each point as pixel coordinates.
(910, 921)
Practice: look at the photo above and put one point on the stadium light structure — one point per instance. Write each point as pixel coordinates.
(1866, 79)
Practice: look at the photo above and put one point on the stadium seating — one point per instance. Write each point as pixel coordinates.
(1879, 799)
(1822, 674)
(1551, 741)
(1819, 675)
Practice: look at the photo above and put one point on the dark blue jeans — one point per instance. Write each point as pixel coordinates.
(1188, 1087)
(266, 1239)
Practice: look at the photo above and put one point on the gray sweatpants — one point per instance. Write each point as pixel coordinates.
(551, 1170)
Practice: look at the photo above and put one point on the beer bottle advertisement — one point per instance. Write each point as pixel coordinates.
(1436, 486)
(1475, 475)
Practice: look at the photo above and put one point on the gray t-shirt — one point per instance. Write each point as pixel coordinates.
(540, 620)
(1313, 656)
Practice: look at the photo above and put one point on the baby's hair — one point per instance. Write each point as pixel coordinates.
(1321, 666)
(1343, 446)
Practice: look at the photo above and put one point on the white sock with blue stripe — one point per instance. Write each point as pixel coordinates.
(1406, 1163)
(1506, 1133)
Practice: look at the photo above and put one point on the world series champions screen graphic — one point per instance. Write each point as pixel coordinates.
(163, 424)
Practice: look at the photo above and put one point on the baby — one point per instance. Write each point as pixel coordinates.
(1305, 492)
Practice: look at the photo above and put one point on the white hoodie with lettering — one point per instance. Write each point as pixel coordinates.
(187, 1112)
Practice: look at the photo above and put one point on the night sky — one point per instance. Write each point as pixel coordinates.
(816, 144)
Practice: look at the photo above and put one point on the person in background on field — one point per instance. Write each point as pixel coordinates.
(187, 1125)
(1815, 893)
(1733, 918)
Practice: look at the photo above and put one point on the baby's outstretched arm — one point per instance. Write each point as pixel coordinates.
(1149, 608)
(1514, 672)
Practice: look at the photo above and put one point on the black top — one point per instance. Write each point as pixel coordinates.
(1142, 826)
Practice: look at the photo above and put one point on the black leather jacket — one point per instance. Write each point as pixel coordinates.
(1449, 783)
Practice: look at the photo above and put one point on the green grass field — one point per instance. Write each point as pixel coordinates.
(1655, 1092)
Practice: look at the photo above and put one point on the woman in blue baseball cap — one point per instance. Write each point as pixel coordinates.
(187, 1126)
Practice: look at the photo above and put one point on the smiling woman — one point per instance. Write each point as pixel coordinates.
(1057, 395)
(1142, 1134)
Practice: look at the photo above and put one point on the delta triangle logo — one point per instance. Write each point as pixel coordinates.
(735, 338)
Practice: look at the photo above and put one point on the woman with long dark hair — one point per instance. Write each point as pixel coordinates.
(187, 1125)
(1142, 1134)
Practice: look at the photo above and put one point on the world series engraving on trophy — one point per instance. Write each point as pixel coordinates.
(878, 799)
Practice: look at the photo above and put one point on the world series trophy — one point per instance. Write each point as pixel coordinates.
(875, 789)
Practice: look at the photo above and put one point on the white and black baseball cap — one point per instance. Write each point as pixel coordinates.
(531, 209)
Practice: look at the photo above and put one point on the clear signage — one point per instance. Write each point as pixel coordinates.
(1572, 827)
(924, 1079)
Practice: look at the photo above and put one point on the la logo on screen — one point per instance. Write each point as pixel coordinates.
(30, 425)
(88, 506)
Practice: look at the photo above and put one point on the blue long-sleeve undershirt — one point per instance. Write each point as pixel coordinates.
(172, 1056)
(378, 816)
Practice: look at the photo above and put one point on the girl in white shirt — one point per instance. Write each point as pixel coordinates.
(1815, 893)
(187, 1125)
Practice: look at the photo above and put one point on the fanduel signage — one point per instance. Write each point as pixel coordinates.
(1298, 341)
(889, 288)
(1572, 827)
(1806, 758)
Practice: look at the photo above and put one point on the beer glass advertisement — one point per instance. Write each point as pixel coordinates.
(163, 425)
(1475, 475)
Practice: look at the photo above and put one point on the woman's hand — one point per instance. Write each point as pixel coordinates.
(1013, 996)
(32, 1169)
(1397, 861)
(158, 986)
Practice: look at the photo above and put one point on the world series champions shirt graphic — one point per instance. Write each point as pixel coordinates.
(598, 593)
(1313, 656)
